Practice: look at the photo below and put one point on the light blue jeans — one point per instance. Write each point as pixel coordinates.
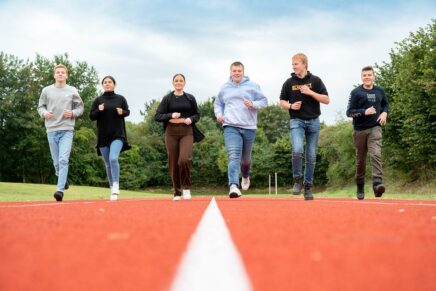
(299, 129)
(110, 156)
(60, 143)
(239, 144)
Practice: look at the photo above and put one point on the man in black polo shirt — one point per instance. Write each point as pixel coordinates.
(369, 107)
(301, 95)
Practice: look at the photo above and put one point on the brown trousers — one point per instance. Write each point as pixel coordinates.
(179, 140)
(368, 140)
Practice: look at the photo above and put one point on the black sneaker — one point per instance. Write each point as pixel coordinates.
(360, 194)
(378, 187)
(296, 190)
(67, 186)
(308, 192)
(58, 195)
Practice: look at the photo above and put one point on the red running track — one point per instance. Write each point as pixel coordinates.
(286, 244)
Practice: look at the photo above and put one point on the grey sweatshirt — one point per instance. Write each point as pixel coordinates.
(55, 100)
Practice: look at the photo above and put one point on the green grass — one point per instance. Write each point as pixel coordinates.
(42, 192)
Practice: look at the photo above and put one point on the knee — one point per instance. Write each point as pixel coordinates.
(297, 155)
(113, 160)
(63, 162)
(184, 161)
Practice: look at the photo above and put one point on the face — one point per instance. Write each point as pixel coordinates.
(368, 78)
(179, 83)
(237, 73)
(60, 75)
(298, 66)
(108, 85)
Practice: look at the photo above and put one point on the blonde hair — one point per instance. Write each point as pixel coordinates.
(60, 66)
(302, 57)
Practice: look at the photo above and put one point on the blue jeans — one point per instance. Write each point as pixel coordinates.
(239, 143)
(300, 128)
(110, 156)
(60, 143)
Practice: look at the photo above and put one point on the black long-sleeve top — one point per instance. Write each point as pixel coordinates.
(185, 105)
(110, 125)
(362, 99)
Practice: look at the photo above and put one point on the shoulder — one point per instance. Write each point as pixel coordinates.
(315, 78)
(190, 96)
(379, 89)
(356, 90)
(71, 88)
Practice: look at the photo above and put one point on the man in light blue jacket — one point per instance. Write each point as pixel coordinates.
(236, 109)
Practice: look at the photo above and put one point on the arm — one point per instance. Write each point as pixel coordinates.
(78, 106)
(94, 113)
(321, 97)
(384, 109)
(124, 110)
(259, 100)
(352, 109)
(161, 113)
(218, 107)
(196, 114)
(42, 104)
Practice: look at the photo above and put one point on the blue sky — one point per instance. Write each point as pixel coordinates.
(144, 43)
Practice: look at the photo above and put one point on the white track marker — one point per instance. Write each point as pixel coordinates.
(211, 261)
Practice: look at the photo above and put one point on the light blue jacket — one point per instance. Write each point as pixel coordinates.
(230, 103)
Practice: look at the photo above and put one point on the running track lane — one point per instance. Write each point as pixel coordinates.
(334, 244)
(95, 245)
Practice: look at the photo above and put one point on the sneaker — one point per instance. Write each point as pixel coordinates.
(378, 187)
(308, 192)
(298, 185)
(114, 197)
(115, 188)
(58, 195)
(67, 186)
(177, 198)
(360, 194)
(245, 183)
(186, 194)
(234, 191)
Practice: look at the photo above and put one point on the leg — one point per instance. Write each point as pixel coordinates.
(297, 138)
(114, 153)
(233, 142)
(374, 149)
(361, 145)
(172, 145)
(312, 135)
(185, 160)
(65, 143)
(248, 137)
(105, 154)
(53, 143)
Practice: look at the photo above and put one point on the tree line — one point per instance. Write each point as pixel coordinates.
(409, 79)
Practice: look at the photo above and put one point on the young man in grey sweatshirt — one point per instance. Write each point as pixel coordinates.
(60, 105)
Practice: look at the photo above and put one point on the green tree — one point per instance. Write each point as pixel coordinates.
(409, 79)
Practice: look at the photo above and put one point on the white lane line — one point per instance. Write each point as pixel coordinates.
(211, 261)
(376, 202)
(29, 204)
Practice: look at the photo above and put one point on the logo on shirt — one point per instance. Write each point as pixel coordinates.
(298, 87)
(371, 97)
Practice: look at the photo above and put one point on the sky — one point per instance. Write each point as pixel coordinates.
(144, 43)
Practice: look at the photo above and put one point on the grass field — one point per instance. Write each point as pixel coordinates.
(41, 192)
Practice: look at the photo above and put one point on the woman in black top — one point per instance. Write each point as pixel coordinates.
(109, 111)
(179, 112)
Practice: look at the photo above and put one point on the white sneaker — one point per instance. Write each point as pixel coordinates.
(234, 191)
(187, 194)
(245, 183)
(177, 198)
(115, 190)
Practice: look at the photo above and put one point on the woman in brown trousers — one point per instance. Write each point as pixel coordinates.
(179, 113)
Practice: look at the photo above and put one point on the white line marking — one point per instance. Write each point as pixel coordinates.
(211, 261)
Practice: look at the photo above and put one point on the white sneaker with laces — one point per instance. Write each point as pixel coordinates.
(177, 198)
(186, 194)
(245, 183)
(234, 191)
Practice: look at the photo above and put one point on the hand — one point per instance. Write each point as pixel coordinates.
(101, 107)
(120, 111)
(48, 115)
(295, 105)
(175, 115)
(220, 119)
(370, 111)
(187, 121)
(68, 113)
(305, 90)
(248, 103)
(382, 118)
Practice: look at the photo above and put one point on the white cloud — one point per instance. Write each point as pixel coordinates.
(143, 59)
